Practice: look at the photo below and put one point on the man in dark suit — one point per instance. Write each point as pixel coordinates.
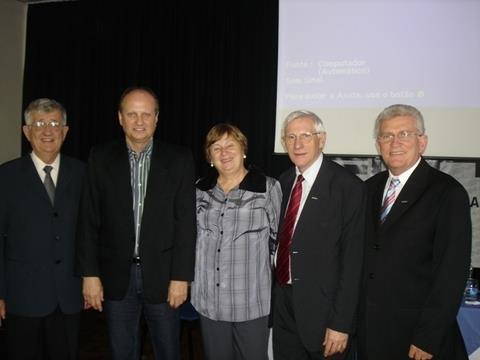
(320, 248)
(40, 297)
(418, 249)
(136, 242)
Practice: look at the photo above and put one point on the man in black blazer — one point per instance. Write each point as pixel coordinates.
(40, 298)
(136, 239)
(418, 249)
(315, 299)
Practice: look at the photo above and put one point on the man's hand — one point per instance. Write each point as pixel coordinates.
(3, 309)
(418, 354)
(335, 342)
(92, 292)
(177, 293)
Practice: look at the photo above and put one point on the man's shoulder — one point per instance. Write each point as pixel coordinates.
(378, 177)
(170, 149)
(72, 167)
(14, 164)
(107, 148)
(11, 163)
(340, 173)
(287, 174)
(438, 178)
(74, 162)
(14, 172)
(108, 152)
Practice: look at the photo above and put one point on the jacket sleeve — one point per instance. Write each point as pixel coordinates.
(183, 260)
(86, 260)
(451, 260)
(352, 243)
(3, 232)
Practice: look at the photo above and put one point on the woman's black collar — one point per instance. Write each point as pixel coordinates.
(254, 181)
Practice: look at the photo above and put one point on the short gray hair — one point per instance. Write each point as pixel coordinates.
(44, 105)
(317, 122)
(399, 110)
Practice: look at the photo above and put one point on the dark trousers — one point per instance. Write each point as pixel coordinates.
(287, 344)
(245, 340)
(123, 321)
(386, 340)
(53, 337)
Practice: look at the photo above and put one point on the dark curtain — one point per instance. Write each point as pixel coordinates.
(209, 61)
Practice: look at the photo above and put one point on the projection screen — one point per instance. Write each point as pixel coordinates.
(347, 60)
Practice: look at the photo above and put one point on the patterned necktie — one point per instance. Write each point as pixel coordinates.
(282, 268)
(389, 199)
(48, 183)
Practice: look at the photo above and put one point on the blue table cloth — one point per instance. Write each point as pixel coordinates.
(469, 320)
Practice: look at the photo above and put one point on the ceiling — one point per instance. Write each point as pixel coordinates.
(41, 1)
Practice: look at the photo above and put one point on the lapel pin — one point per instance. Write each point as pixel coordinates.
(314, 198)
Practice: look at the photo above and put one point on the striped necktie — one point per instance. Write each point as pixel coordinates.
(389, 199)
(282, 268)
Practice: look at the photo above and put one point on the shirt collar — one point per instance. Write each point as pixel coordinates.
(310, 174)
(403, 177)
(39, 164)
(254, 181)
(147, 150)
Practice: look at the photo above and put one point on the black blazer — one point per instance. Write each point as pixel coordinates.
(416, 266)
(37, 241)
(106, 235)
(327, 252)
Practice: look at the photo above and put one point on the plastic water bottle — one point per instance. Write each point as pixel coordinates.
(471, 289)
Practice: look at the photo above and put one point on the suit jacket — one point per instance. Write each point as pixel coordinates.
(327, 252)
(106, 235)
(37, 241)
(416, 266)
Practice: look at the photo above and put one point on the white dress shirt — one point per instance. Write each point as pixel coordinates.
(309, 175)
(39, 165)
(403, 177)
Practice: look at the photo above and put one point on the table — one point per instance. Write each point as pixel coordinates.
(469, 320)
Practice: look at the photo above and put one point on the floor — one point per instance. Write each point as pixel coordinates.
(94, 342)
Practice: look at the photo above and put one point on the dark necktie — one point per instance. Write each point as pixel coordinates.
(282, 268)
(48, 183)
(389, 199)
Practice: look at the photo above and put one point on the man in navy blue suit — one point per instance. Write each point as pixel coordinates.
(40, 298)
(317, 287)
(418, 237)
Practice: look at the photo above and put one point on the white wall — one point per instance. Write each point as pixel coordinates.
(13, 18)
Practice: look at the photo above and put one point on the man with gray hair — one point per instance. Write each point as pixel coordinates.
(418, 236)
(319, 256)
(40, 298)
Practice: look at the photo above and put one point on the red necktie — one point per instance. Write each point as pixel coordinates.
(282, 268)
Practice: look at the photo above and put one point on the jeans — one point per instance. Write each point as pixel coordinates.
(123, 320)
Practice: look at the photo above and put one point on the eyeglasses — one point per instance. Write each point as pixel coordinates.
(305, 137)
(403, 136)
(40, 124)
